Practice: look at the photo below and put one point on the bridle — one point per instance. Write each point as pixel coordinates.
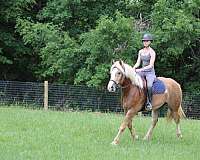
(119, 85)
(115, 83)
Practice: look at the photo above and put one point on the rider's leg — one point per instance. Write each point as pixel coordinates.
(150, 80)
(149, 98)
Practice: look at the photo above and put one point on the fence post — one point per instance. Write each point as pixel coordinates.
(45, 95)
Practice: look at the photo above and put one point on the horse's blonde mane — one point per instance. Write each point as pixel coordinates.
(129, 72)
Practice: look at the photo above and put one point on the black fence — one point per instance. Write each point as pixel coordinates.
(14, 92)
(70, 97)
(60, 96)
(83, 98)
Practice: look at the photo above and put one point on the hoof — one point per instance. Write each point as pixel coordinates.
(179, 136)
(146, 138)
(136, 137)
(114, 143)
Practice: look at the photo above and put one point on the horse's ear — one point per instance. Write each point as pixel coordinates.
(121, 62)
(113, 61)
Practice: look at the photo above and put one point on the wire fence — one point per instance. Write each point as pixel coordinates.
(69, 97)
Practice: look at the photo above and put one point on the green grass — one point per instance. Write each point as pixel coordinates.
(35, 134)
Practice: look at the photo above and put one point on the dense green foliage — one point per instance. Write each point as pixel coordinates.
(35, 134)
(74, 41)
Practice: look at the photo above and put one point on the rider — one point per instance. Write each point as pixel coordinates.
(147, 56)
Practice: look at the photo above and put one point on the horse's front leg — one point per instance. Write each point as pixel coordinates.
(153, 124)
(132, 131)
(131, 128)
(127, 120)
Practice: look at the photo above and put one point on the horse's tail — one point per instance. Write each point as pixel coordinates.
(170, 115)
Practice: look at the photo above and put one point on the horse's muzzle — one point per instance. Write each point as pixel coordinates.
(112, 86)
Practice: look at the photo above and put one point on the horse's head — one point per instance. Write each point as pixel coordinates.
(117, 76)
(119, 72)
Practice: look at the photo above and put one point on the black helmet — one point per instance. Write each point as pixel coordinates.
(147, 37)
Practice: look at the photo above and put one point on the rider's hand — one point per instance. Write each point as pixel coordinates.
(138, 70)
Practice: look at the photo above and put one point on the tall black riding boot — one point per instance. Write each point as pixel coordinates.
(149, 99)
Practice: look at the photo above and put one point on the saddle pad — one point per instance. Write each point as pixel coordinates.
(158, 87)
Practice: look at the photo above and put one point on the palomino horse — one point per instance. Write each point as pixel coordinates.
(134, 97)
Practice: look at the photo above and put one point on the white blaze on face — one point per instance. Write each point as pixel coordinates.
(112, 85)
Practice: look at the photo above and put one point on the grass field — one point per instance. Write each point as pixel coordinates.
(27, 134)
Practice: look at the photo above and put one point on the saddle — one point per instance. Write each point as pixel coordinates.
(158, 87)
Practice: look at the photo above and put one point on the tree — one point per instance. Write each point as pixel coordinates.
(74, 41)
(176, 26)
(14, 54)
(113, 38)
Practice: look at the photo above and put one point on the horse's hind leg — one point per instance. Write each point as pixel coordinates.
(153, 124)
(177, 121)
(176, 113)
(176, 116)
(127, 120)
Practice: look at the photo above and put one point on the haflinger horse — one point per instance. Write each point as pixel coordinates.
(134, 97)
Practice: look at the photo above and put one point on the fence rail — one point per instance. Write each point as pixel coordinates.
(70, 97)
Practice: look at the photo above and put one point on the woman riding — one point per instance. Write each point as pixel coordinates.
(147, 57)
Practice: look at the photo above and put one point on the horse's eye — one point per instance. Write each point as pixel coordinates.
(118, 73)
